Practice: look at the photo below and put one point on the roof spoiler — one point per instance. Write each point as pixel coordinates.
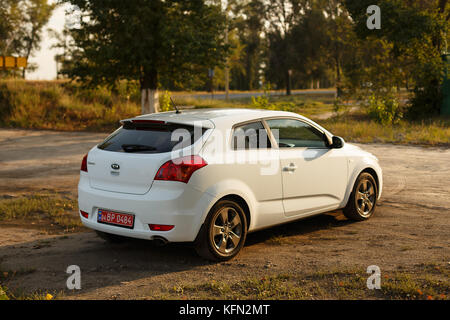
(143, 121)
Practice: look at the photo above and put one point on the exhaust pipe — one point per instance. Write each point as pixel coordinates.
(160, 241)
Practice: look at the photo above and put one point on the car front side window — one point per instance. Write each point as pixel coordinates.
(290, 133)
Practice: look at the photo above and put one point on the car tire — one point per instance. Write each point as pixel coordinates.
(223, 233)
(363, 199)
(111, 238)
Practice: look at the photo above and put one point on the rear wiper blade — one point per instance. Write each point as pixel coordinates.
(137, 148)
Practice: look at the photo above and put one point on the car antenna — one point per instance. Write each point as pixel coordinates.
(175, 106)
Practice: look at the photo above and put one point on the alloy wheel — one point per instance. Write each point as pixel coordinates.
(226, 231)
(365, 197)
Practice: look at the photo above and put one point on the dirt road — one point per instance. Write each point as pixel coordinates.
(410, 231)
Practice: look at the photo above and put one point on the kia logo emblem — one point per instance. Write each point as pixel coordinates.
(115, 166)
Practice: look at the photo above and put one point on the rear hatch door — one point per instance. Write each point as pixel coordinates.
(128, 160)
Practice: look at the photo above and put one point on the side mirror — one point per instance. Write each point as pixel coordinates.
(338, 143)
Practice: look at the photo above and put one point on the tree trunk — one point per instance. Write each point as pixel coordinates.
(149, 92)
(288, 83)
(338, 78)
(227, 69)
(30, 47)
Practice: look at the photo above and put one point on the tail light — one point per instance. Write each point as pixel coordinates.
(84, 164)
(84, 214)
(180, 169)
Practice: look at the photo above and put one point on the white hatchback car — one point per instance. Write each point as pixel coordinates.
(210, 176)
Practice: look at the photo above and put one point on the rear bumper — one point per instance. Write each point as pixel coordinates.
(167, 203)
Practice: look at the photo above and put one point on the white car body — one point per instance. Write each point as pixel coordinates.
(304, 181)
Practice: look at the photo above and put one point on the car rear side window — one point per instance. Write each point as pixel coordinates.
(151, 137)
(250, 136)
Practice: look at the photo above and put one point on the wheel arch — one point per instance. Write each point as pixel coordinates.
(242, 203)
(374, 174)
(368, 169)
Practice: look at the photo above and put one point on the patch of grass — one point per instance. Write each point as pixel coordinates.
(57, 209)
(405, 286)
(7, 294)
(358, 127)
(3, 294)
(347, 283)
(266, 288)
(279, 287)
(307, 105)
(60, 105)
(352, 284)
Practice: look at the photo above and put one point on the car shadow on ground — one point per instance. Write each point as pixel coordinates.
(40, 266)
(300, 227)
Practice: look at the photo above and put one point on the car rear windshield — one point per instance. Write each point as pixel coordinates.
(151, 137)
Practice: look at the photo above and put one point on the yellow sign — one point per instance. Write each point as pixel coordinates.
(21, 62)
(13, 62)
(10, 62)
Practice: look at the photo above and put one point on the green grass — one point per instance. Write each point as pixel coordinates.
(54, 209)
(61, 106)
(358, 127)
(3, 294)
(6, 294)
(330, 284)
(307, 105)
(266, 288)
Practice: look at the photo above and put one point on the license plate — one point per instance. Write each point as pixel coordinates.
(115, 218)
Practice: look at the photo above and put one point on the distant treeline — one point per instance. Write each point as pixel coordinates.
(255, 44)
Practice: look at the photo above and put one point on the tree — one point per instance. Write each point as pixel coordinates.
(21, 25)
(37, 14)
(144, 39)
(341, 39)
(414, 33)
(250, 27)
(282, 16)
(11, 31)
(311, 42)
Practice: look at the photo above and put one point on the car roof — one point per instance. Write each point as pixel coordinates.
(215, 117)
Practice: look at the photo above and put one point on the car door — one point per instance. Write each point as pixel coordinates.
(257, 165)
(314, 177)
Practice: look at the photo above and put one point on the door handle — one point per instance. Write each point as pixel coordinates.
(292, 167)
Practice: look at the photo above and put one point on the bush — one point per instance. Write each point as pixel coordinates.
(262, 102)
(384, 110)
(165, 104)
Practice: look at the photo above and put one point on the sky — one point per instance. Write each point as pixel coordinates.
(45, 58)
